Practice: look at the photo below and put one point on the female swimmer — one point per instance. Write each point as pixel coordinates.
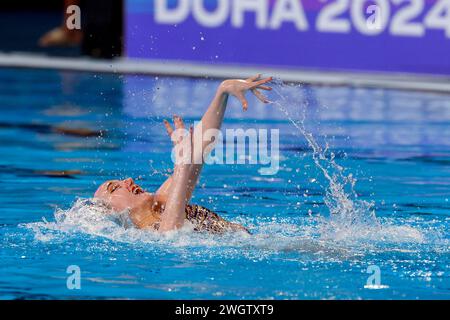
(168, 208)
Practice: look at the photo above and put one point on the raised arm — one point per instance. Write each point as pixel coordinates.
(178, 191)
(213, 119)
(174, 212)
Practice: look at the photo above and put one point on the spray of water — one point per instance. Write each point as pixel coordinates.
(348, 214)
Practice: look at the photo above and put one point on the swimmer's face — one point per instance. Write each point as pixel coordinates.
(122, 194)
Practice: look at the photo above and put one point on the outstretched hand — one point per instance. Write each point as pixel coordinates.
(239, 88)
(182, 140)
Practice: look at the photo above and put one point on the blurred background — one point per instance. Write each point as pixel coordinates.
(40, 27)
(357, 42)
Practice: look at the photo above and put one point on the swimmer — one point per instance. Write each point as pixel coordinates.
(169, 207)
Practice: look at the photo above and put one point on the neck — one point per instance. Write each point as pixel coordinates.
(148, 213)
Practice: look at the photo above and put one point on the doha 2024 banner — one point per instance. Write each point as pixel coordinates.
(367, 35)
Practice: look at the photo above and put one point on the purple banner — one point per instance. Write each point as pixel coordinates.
(366, 35)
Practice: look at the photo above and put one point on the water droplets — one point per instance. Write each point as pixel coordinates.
(347, 213)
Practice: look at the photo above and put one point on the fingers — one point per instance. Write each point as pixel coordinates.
(265, 88)
(178, 122)
(243, 101)
(169, 128)
(260, 96)
(260, 82)
(254, 78)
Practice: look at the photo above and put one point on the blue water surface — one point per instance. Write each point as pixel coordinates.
(62, 134)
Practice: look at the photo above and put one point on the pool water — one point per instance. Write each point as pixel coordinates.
(386, 153)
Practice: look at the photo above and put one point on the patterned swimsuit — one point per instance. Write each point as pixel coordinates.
(204, 220)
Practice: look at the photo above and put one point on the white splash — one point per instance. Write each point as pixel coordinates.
(349, 218)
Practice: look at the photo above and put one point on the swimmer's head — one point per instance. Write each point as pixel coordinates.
(123, 195)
